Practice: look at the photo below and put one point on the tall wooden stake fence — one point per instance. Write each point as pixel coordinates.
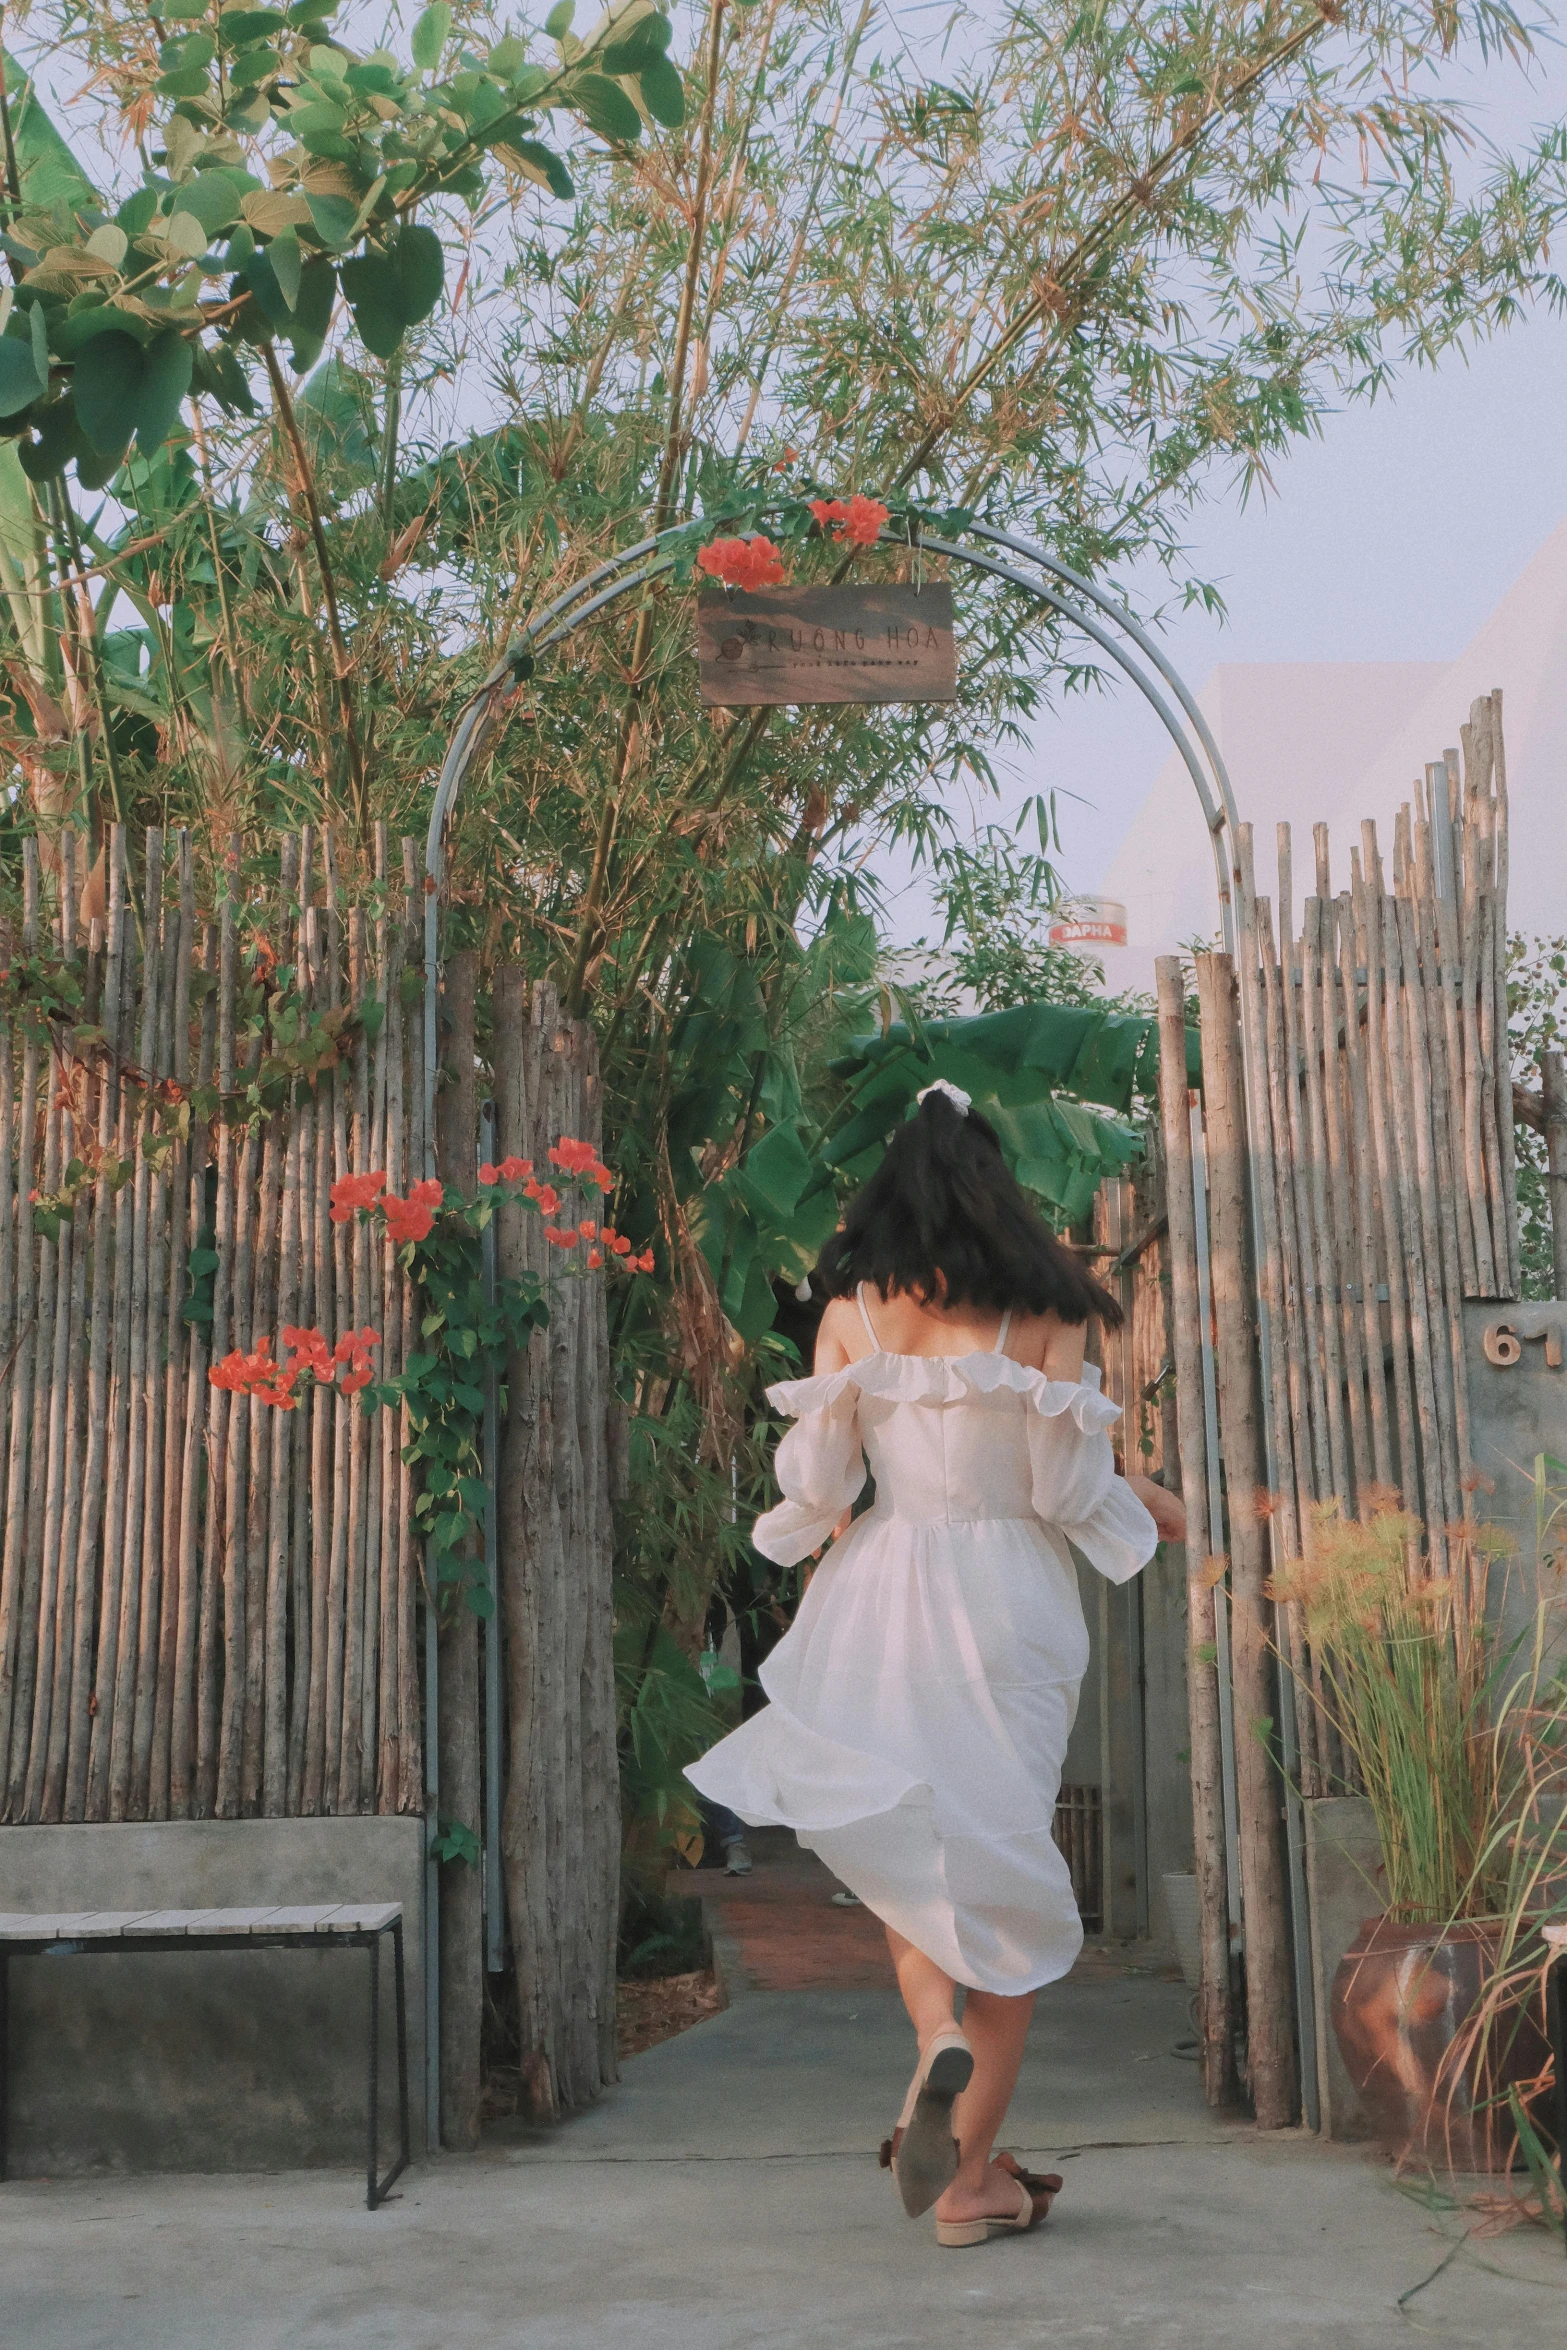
(1353, 1184)
(213, 1608)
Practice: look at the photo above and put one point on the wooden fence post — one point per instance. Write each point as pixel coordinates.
(459, 1715)
(1270, 2031)
(1553, 1089)
(1215, 2027)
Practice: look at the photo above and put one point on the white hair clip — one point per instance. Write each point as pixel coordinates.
(962, 1102)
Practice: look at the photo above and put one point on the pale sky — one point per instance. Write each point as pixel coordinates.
(1390, 538)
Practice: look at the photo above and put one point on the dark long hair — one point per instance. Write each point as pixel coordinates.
(944, 1201)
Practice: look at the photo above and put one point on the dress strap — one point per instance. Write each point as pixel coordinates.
(1001, 1334)
(865, 1316)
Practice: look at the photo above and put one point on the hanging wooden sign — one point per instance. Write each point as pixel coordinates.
(827, 644)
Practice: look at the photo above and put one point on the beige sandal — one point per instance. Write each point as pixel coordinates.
(922, 2153)
(1039, 2190)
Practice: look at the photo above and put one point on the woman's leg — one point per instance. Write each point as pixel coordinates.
(927, 1992)
(995, 2028)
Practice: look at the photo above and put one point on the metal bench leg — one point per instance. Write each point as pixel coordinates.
(5, 2060)
(377, 2189)
(1556, 2014)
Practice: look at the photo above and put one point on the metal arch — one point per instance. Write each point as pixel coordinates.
(637, 566)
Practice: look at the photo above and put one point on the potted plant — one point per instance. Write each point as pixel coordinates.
(1441, 1717)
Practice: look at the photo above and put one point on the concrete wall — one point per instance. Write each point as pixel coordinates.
(1345, 1885)
(251, 2060)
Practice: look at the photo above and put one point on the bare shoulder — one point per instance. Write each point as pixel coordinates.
(1045, 1343)
(836, 1335)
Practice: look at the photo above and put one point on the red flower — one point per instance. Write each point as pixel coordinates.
(619, 1243)
(516, 1170)
(406, 1219)
(548, 1198)
(489, 1174)
(352, 1192)
(595, 1258)
(588, 1229)
(559, 1239)
(743, 563)
(858, 524)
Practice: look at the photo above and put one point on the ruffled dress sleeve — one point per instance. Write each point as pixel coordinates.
(819, 1464)
(1076, 1488)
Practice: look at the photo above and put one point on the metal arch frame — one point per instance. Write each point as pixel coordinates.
(1141, 661)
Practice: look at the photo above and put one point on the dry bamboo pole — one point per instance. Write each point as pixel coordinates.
(458, 1716)
(572, 1485)
(1504, 1091)
(600, 1756)
(301, 1591)
(1269, 2005)
(355, 1427)
(274, 1727)
(1333, 1070)
(162, 1281)
(342, 1315)
(387, 1784)
(1439, 1252)
(176, 1343)
(369, 1430)
(1487, 1273)
(65, 1790)
(266, 1422)
(1310, 1469)
(120, 1027)
(1447, 969)
(1364, 1196)
(9, 1233)
(322, 1410)
(19, 1470)
(1367, 895)
(221, 1409)
(57, 1599)
(200, 1399)
(1328, 1450)
(1314, 1127)
(143, 1304)
(48, 1470)
(1493, 1046)
(1387, 958)
(410, 1754)
(236, 1562)
(1266, 1157)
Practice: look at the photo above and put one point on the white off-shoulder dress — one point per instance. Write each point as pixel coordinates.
(919, 1706)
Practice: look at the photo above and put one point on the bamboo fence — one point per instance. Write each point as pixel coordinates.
(1358, 1134)
(207, 1605)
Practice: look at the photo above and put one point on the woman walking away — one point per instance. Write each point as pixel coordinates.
(920, 1704)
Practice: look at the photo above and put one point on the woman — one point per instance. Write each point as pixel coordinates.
(921, 1702)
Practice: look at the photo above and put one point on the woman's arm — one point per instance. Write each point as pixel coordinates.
(1166, 1509)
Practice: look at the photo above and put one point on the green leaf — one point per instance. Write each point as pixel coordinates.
(107, 387)
(211, 198)
(374, 293)
(46, 164)
(334, 219)
(647, 41)
(430, 35)
(313, 311)
(559, 18)
(542, 163)
(421, 271)
(604, 106)
(20, 384)
(167, 365)
(288, 265)
(663, 93)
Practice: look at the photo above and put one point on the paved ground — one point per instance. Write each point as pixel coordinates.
(726, 2197)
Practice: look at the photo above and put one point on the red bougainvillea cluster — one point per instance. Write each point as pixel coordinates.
(857, 523)
(269, 1380)
(406, 1219)
(743, 563)
(274, 1380)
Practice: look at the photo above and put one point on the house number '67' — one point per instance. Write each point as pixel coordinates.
(1504, 1345)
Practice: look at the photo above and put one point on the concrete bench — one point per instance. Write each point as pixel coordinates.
(87, 1932)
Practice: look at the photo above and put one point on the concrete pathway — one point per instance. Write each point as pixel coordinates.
(727, 2196)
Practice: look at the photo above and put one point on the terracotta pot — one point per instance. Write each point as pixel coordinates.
(1401, 1998)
